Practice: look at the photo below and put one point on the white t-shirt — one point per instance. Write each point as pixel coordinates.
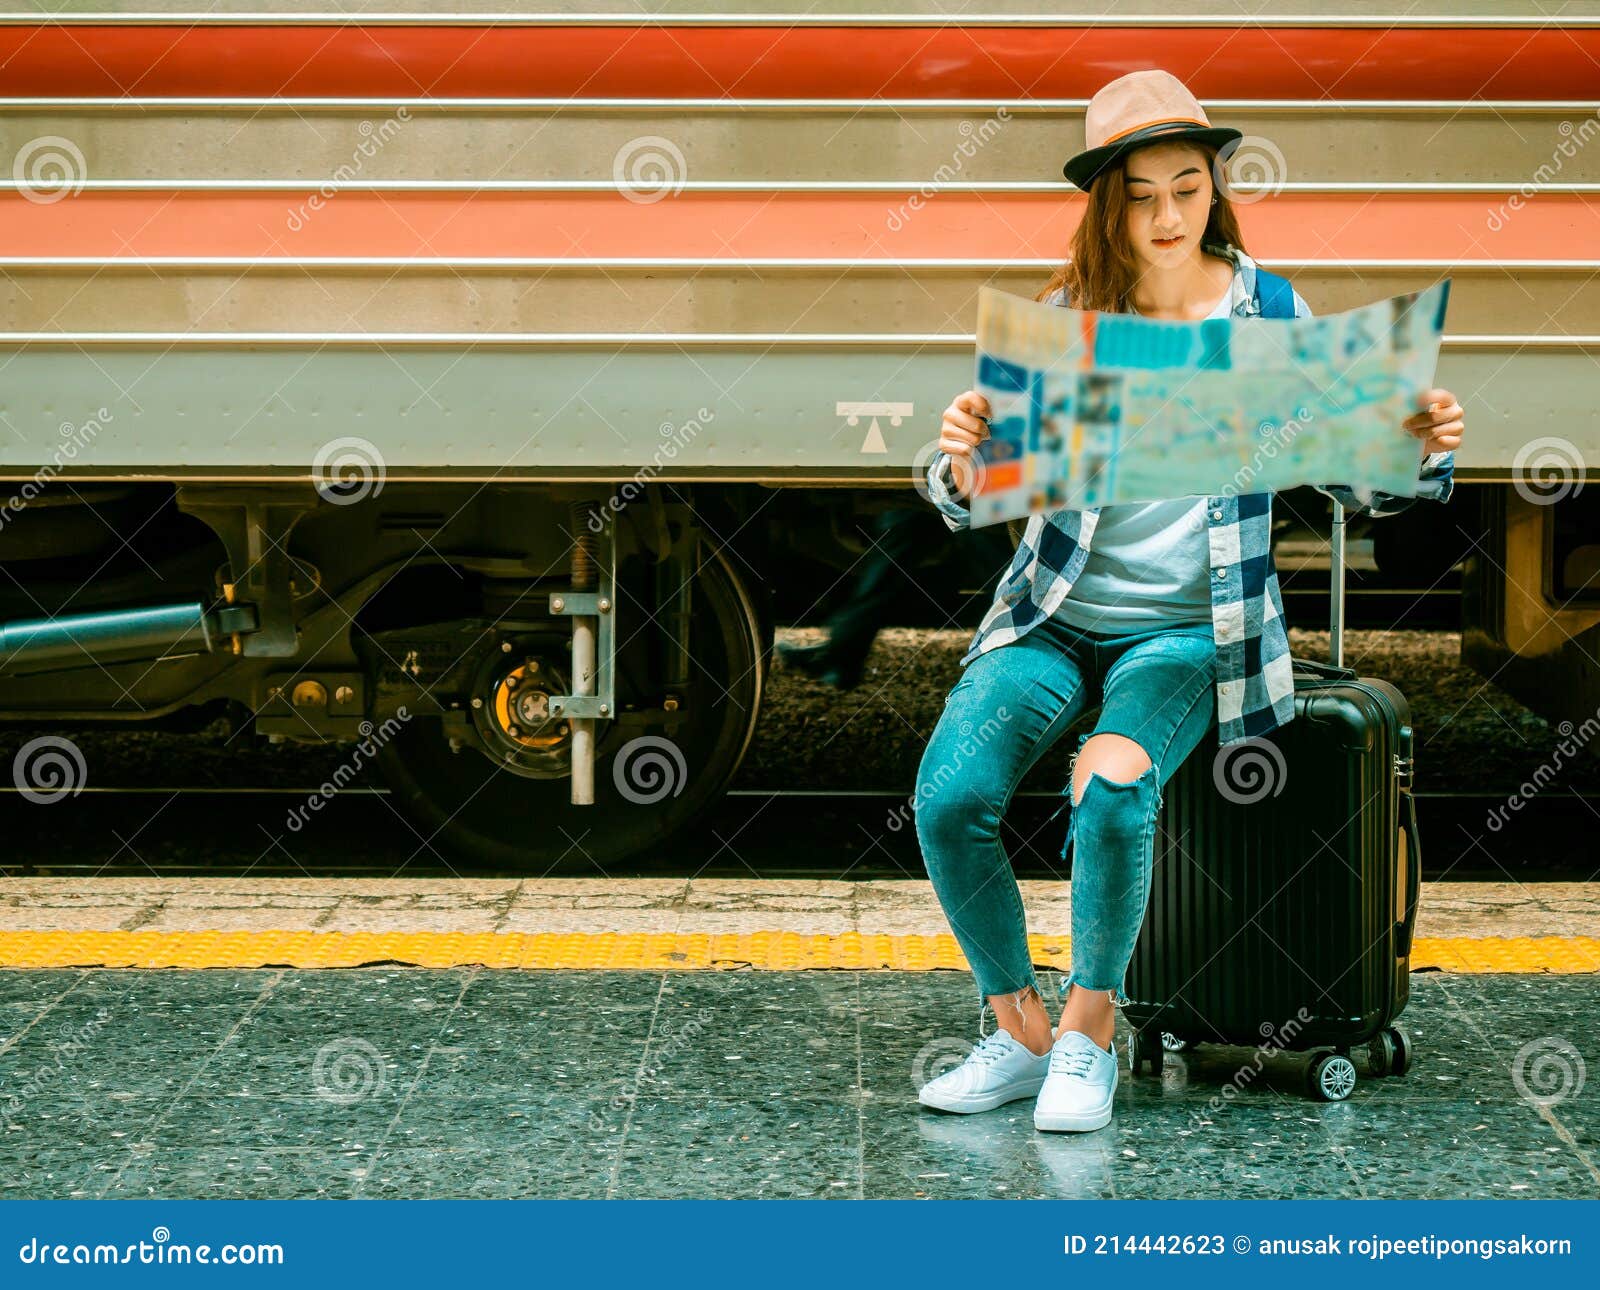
(1149, 563)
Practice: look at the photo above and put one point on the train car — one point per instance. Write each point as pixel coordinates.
(464, 385)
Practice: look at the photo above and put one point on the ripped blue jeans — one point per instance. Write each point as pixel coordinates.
(1010, 705)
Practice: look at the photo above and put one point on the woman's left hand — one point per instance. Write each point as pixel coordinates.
(1439, 425)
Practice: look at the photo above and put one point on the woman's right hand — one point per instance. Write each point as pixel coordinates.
(965, 425)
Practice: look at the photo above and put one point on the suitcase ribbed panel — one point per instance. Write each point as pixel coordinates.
(1259, 910)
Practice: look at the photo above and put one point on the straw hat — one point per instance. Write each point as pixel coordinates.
(1136, 109)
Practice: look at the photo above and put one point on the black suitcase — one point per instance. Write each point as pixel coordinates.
(1282, 905)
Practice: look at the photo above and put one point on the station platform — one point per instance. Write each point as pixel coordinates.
(676, 1037)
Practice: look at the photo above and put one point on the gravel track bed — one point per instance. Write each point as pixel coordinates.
(1471, 737)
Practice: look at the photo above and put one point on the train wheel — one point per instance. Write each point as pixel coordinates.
(647, 787)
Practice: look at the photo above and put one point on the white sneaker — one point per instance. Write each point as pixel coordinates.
(998, 1070)
(1077, 1093)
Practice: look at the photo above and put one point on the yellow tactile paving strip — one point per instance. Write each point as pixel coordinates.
(781, 951)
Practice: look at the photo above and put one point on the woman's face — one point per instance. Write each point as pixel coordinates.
(1168, 187)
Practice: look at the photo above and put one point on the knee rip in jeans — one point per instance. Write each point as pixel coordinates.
(1072, 768)
(1146, 785)
(1147, 777)
(1146, 790)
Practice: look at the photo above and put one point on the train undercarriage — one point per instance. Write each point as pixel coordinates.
(536, 673)
(543, 677)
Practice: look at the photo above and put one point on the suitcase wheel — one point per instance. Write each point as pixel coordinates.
(1331, 1077)
(1390, 1052)
(1404, 1050)
(1146, 1048)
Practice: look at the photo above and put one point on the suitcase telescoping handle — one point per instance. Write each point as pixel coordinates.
(1336, 588)
(1334, 668)
(1408, 804)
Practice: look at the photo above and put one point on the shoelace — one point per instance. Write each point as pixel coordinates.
(1074, 1061)
(987, 1052)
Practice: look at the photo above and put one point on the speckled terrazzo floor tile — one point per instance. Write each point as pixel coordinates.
(1469, 1124)
(793, 1035)
(88, 1052)
(61, 1173)
(758, 1147)
(1281, 1150)
(35, 1122)
(17, 1017)
(545, 993)
(32, 987)
(1550, 1172)
(205, 1173)
(910, 1151)
(1514, 992)
(182, 1172)
(252, 1122)
(354, 989)
(411, 1173)
(478, 1083)
(1266, 1172)
(583, 1120)
(369, 1056)
(171, 987)
(1513, 1039)
(497, 1058)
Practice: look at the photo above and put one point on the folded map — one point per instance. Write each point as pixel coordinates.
(1097, 409)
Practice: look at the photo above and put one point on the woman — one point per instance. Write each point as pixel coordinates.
(1170, 610)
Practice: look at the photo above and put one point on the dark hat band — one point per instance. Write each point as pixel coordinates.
(1085, 166)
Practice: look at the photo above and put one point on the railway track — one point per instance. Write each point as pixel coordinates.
(201, 831)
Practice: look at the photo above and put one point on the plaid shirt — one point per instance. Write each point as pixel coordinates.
(1254, 682)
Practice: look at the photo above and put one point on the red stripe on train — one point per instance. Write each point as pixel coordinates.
(851, 63)
(713, 226)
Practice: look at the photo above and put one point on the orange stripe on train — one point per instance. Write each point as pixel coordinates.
(850, 63)
(715, 226)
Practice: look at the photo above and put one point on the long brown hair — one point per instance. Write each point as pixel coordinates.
(1102, 271)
